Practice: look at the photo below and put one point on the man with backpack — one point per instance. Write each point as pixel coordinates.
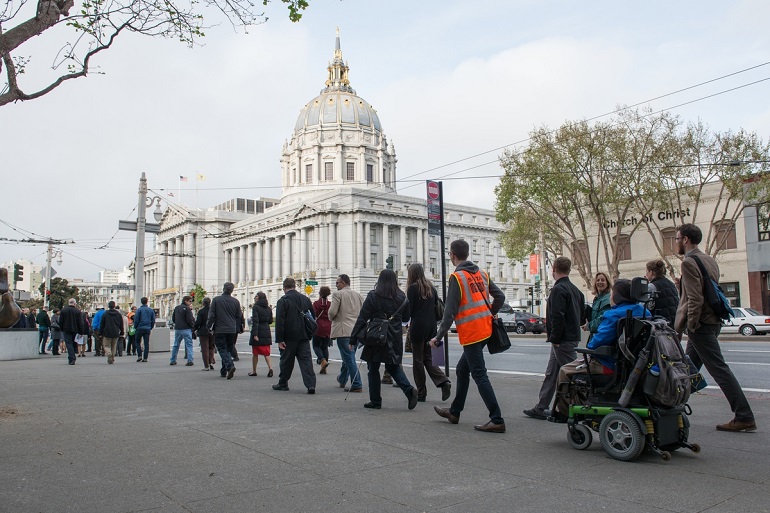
(697, 316)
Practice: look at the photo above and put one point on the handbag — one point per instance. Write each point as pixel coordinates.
(376, 331)
(309, 322)
(408, 343)
(498, 341)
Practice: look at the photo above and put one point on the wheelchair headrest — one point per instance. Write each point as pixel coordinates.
(640, 290)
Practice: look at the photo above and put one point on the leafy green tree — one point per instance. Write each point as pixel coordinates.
(61, 292)
(198, 293)
(82, 31)
(586, 179)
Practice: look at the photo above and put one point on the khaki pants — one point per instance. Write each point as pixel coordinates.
(110, 344)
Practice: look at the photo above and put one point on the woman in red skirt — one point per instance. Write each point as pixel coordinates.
(261, 337)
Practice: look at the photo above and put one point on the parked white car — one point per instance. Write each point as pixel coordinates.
(747, 321)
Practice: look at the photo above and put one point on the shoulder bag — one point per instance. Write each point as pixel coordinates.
(310, 324)
(498, 341)
(376, 331)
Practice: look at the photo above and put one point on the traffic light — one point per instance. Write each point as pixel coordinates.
(389, 262)
(18, 272)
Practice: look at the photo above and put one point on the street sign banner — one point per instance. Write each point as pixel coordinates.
(311, 282)
(434, 207)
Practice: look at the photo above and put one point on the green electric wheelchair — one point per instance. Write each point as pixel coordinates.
(622, 407)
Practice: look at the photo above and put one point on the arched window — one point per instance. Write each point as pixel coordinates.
(623, 247)
(725, 233)
(668, 241)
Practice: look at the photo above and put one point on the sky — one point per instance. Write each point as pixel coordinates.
(453, 82)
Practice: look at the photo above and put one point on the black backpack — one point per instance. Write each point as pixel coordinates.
(714, 294)
(672, 385)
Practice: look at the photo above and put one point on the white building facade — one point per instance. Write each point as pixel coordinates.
(339, 213)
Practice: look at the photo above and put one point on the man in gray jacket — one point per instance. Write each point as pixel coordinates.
(343, 312)
(226, 321)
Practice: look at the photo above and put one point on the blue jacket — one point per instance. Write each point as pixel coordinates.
(97, 320)
(144, 319)
(607, 333)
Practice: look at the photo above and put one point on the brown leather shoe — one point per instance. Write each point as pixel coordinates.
(444, 412)
(738, 425)
(491, 427)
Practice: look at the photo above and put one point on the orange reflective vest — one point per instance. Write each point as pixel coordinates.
(473, 320)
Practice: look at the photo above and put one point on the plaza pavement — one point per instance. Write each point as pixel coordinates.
(147, 437)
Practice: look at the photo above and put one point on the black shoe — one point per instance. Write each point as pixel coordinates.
(236, 359)
(311, 391)
(230, 373)
(446, 390)
(270, 373)
(412, 399)
(144, 360)
(387, 381)
(354, 390)
(189, 364)
(373, 406)
(557, 418)
(535, 413)
(172, 363)
(282, 388)
(138, 359)
(72, 363)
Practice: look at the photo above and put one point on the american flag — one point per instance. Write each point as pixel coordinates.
(182, 178)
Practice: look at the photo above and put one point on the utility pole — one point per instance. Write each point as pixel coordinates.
(51, 255)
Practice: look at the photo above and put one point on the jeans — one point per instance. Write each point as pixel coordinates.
(43, 338)
(703, 349)
(188, 346)
(130, 347)
(348, 368)
(396, 372)
(321, 348)
(222, 341)
(471, 363)
(144, 336)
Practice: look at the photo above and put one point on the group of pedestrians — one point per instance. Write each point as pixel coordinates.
(683, 305)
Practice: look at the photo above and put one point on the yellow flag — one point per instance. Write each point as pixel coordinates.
(201, 178)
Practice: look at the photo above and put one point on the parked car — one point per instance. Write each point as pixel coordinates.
(523, 322)
(747, 321)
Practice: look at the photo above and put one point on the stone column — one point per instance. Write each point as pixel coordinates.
(324, 249)
(267, 260)
(333, 245)
(402, 252)
(259, 257)
(303, 266)
(189, 267)
(420, 256)
(277, 258)
(288, 262)
(367, 244)
(250, 260)
(162, 265)
(171, 245)
(228, 264)
(235, 275)
(360, 262)
(179, 263)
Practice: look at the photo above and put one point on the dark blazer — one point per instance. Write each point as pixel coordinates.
(183, 317)
(379, 306)
(289, 322)
(225, 315)
(564, 312)
(71, 321)
(261, 318)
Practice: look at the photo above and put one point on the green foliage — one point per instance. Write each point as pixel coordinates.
(198, 293)
(61, 292)
(574, 183)
(294, 6)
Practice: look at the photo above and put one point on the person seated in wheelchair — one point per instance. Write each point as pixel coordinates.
(606, 335)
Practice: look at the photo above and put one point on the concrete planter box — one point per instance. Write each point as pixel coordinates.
(19, 344)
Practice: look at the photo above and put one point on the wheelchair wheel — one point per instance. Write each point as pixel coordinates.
(580, 437)
(621, 437)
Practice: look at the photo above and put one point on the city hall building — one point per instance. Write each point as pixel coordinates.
(339, 212)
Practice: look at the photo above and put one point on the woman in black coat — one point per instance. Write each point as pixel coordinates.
(422, 327)
(667, 300)
(383, 302)
(261, 338)
(204, 335)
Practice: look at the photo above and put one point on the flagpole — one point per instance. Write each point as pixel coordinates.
(179, 191)
(197, 176)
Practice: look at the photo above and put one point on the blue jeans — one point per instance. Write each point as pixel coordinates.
(348, 369)
(188, 347)
(471, 363)
(396, 372)
(42, 339)
(144, 336)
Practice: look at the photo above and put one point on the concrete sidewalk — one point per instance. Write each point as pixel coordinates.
(134, 437)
